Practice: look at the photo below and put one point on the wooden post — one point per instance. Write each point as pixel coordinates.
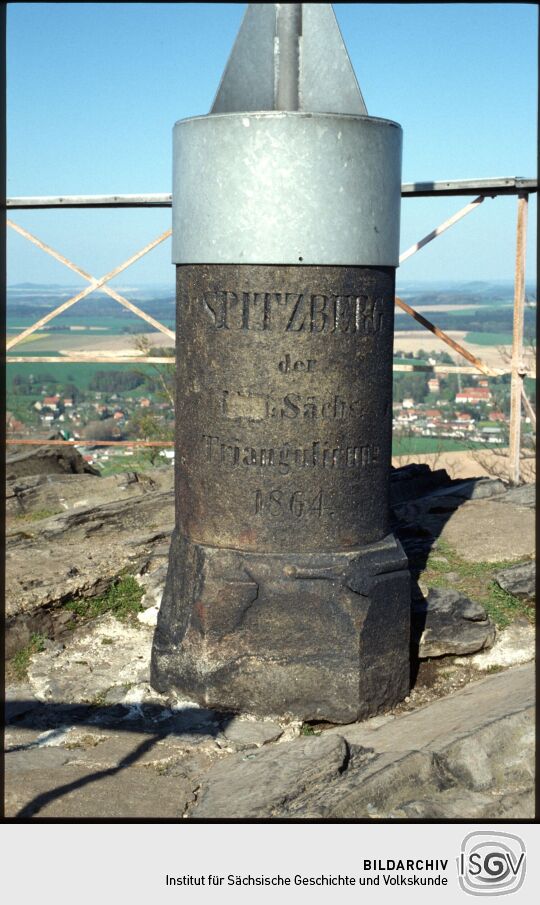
(518, 367)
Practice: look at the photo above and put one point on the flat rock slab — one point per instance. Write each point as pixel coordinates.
(47, 460)
(525, 495)
(29, 495)
(468, 755)
(19, 699)
(79, 554)
(256, 785)
(453, 804)
(487, 531)
(99, 762)
(449, 719)
(79, 792)
(446, 622)
(514, 645)
(252, 733)
(105, 654)
(519, 580)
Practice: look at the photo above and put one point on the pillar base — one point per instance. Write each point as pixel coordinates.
(319, 636)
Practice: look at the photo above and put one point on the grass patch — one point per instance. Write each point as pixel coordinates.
(87, 741)
(138, 462)
(123, 600)
(307, 729)
(37, 515)
(21, 661)
(476, 580)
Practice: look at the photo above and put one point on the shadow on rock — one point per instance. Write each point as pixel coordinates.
(157, 721)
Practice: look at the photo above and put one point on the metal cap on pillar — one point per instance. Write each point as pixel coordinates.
(287, 136)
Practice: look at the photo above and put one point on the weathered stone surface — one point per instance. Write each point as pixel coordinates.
(446, 622)
(469, 755)
(251, 733)
(84, 792)
(19, 699)
(79, 554)
(260, 784)
(449, 719)
(437, 494)
(525, 495)
(480, 489)
(60, 492)
(507, 532)
(36, 760)
(519, 580)
(229, 636)
(47, 460)
(103, 654)
(452, 804)
(154, 584)
(482, 737)
(513, 645)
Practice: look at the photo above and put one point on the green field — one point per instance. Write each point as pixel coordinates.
(409, 361)
(95, 311)
(489, 339)
(29, 352)
(408, 446)
(68, 372)
(108, 326)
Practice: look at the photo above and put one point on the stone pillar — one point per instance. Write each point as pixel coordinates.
(286, 594)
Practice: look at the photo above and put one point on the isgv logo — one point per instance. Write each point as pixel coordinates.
(491, 864)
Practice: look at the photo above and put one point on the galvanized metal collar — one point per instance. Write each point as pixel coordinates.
(275, 187)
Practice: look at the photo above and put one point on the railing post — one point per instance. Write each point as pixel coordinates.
(518, 366)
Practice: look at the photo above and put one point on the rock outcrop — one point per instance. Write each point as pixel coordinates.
(79, 553)
(88, 736)
(466, 756)
(519, 580)
(47, 460)
(446, 622)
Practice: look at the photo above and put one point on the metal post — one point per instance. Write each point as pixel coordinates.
(518, 367)
(289, 29)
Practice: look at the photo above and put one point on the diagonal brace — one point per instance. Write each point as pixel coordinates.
(477, 362)
(455, 218)
(94, 284)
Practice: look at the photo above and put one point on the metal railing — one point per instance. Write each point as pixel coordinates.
(479, 188)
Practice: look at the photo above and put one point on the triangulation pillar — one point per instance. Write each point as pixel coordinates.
(286, 594)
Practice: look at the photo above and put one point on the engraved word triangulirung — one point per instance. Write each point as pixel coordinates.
(220, 451)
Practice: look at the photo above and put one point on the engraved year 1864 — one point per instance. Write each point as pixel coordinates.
(286, 504)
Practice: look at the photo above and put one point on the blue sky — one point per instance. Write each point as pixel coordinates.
(94, 91)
